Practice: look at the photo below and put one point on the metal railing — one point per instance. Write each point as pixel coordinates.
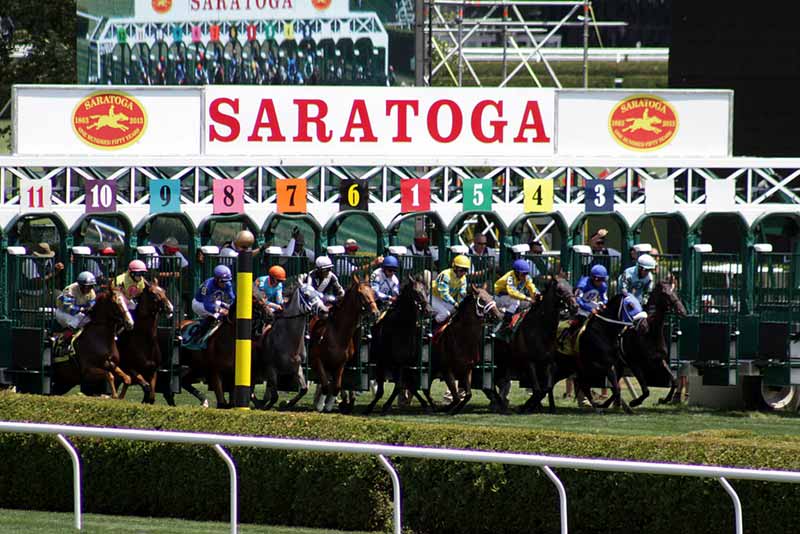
(546, 463)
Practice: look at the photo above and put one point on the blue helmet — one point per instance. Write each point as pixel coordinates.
(390, 262)
(521, 266)
(222, 272)
(598, 271)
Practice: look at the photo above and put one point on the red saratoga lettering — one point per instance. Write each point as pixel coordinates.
(433, 119)
(267, 108)
(535, 123)
(497, 125)
(230, 121)
(402, 117)
(359, 108)
(303, 120)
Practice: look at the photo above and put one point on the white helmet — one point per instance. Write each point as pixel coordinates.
(324, 262)
(646, 262)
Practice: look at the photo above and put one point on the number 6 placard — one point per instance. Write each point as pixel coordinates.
(415, 195)
(228, 196)
(101, 196)
(34, 194)
(291, 195)
(165, 196)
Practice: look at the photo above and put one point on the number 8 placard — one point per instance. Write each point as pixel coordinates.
(101, 196)
(291, 195)
(228, 196)
(165, 196)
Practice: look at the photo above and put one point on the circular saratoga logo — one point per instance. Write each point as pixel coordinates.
(321, 4)
(161, 6)
(643, 122)
(109, 120)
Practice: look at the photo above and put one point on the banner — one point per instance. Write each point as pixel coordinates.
(216, 10)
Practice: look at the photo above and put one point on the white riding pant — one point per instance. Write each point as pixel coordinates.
(70, 321)
(200, 310)
(441, 308)
(507, 303)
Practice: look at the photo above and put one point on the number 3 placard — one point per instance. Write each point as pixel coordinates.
(101, 196)
(415, 195)
(34, 194)
(165, 196)
(291, 195)
(538, 193)
(599, 196)
(228, 196)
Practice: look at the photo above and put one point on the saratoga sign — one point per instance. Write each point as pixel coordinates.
(219, 10)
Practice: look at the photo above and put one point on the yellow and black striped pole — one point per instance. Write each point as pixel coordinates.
(244, 316)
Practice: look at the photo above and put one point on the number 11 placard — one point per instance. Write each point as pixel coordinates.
(34, 194)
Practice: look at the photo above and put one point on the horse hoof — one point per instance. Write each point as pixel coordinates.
(204, 404)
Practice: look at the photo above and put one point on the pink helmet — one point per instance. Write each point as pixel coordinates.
(137, 266)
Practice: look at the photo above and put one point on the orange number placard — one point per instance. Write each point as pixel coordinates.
(291, 195)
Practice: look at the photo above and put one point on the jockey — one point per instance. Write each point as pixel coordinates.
(272, 287)
(75, 302)
(638, 280)
(450, 288)
(515, 287)
(214, 298)
(591, 290)
(323, 280)
(384, 283)
(132, 282)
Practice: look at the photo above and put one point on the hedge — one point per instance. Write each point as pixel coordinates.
(350, 492)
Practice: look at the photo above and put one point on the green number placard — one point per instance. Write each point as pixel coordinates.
(477, 194)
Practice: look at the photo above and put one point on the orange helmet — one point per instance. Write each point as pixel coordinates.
(277, 272)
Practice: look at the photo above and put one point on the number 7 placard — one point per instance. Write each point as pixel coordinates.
(34, 194)
(415, 195)
(291, 195)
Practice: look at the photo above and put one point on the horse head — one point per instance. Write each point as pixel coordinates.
(416, 290)
(484, 303)
(154, 296)
(365, 294)
(665, 294)
(565, 294)
(117, 307)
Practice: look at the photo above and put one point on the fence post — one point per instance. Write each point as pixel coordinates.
(244, 315)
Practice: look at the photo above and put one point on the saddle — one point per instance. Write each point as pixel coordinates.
(569, 341)
(505, 332)
(64, 346)
(193, 338)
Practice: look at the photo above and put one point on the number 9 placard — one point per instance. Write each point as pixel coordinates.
(599, 196)
(165, 196)
(538, 193)
(228, 196)
(354, 195)
(101, 196)
(291, 195)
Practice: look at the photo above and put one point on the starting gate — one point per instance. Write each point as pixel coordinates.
(104, 268)
(414, 265)
(293, 265)
(584, 260)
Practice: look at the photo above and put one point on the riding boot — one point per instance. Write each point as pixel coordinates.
(202, 329)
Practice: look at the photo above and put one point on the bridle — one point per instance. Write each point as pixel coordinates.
(482, 309)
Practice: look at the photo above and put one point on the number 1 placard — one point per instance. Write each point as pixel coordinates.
(415, 195)
(291, 195)
(35, 194)
(101, 196)
(228, 196)
(538, 194)
(599, 196)
(477, 193)
(165, 196)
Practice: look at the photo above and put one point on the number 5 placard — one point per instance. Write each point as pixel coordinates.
(538, 194)
(101, 196)
(228, 196)
(34, 194)
(165, 196)
(291, 195)
(477, 194)
(415, 195)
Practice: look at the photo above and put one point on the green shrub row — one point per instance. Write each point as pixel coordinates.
(349, 492)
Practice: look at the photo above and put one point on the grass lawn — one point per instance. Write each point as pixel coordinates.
(28, 522)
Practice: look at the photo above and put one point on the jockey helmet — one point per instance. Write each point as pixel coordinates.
(646, 262)
(323, 262)
(521, 266)
(276, 272)
(107, 251)
(462, 261)
(599, 271)
(222, 272)
(86, 279)
(390, 262)
(137, 266)
(351, 246)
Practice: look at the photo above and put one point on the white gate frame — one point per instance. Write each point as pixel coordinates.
(382, 451)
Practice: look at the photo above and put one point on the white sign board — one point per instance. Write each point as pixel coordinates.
(378, 121)
(659, 195)
(649, 124)
(219, 10)
(35, 195)
(81, 120)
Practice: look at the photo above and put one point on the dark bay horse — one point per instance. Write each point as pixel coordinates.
(394, 345)
(457, 349)
(646, 353)
(332, 341)
(139, 350)
(530, 356)
(281, 350)
(96, 356)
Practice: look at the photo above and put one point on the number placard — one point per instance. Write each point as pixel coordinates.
(415, 195)
(35, 194)
(354, 195)
(477, 193)
(291, 195)
(165, 196)
(538, 194)
(101, 196)
(228, 196)
(599, 196)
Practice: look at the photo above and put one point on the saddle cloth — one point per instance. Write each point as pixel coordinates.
(190, 339)
(506, 330)
(569, 344)
(63, 351)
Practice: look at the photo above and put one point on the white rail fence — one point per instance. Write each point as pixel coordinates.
(546, 463)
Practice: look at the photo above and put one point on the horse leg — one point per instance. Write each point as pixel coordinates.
(302, 388)
(123, 392)
(120, 373)
(333, 389)
(534, 401)
(379, 379)
(215, 382)
(112, 385)
(616, 391)
(673, 384)
(196, 393)
(272, 388)
(399, 386)
(322, 387)
(638, 373)
(467, 392)
(151, 398)
(450, 380)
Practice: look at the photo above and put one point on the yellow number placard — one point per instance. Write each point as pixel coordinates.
(538, 195)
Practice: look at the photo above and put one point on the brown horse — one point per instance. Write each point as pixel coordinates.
(96, 356)
(332, 341)
(456, 350)
(139, 350)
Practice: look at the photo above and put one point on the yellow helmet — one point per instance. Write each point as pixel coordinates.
(461, 261)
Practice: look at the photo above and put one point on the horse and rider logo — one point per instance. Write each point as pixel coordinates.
(643, 123)
(322, 5)
(161, 6)
(109, 120)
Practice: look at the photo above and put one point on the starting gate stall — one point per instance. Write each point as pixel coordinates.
(542, 265)
(544, 233)
(463, 229)
(292, 241)
(220, 230)
(611, 252)
(405, 227)
(94, 233)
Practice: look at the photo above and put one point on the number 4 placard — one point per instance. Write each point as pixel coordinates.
(538, 193)
(101, 196)
(599, 196)
(228, 196)
(35, 194)
(291, 195)
(415, 195)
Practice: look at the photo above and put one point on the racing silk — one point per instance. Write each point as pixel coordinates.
(590, 297)
(510, 285)
(329, 286)
(274, 293)
(631, 284)
(449, 287)
(385, 287)
(210, 295)
(130, 287)
(73, 301)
